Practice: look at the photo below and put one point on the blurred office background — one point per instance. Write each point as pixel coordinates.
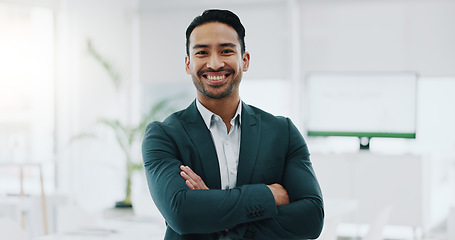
(54, 87)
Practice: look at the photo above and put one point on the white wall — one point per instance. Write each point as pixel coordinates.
(379, 36)
(163, 38)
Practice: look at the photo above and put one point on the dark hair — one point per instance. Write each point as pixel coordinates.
(217, 15)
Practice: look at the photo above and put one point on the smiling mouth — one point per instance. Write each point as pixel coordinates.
(216, 78)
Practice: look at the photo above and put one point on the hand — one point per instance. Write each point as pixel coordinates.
(279, 193)
(192, 180)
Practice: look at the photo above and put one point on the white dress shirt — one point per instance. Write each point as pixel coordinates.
(227, 145)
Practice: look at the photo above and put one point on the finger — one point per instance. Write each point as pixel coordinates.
(190, 186)
(188, 180)
(185, 173)
(194, 179)
(190, 172)
(184, 176)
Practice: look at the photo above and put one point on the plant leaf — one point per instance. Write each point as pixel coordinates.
(115, 75)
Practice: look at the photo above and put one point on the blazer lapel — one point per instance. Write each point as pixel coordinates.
(249, 145)
(202, 140)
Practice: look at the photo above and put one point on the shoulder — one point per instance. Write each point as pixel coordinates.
(178, 121)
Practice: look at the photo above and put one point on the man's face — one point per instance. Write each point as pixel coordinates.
(215, 60)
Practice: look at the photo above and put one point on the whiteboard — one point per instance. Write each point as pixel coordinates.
(361, 104)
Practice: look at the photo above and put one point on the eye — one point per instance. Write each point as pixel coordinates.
(227, 51)
(201, 53)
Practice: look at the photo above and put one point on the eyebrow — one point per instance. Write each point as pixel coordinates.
(207, 46)
(227, 45)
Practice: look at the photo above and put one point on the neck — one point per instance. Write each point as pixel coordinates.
(225, 107)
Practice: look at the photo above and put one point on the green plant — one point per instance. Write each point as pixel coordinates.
(126, 135)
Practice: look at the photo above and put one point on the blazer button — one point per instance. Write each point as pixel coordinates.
(256, 213)
(250, 215)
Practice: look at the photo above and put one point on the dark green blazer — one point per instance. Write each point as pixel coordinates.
(272, 151)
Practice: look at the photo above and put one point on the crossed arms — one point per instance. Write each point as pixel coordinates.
(194, 181)
(292, 209)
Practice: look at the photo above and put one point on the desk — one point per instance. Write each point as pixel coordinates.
(124, 228)
(377, 181)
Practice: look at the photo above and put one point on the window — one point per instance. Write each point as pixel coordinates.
(26, 92)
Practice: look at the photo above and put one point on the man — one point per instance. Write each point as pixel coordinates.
(221, 169)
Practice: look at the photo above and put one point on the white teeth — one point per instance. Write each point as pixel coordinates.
(216, 77)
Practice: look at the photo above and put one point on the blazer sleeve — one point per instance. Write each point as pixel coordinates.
(196, 211)
(303, 217)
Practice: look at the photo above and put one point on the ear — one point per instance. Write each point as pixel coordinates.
(246, 61)
(187, 64)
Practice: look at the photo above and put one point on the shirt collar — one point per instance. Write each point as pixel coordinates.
(207, 114)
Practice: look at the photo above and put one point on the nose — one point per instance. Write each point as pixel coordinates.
(215, 62)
